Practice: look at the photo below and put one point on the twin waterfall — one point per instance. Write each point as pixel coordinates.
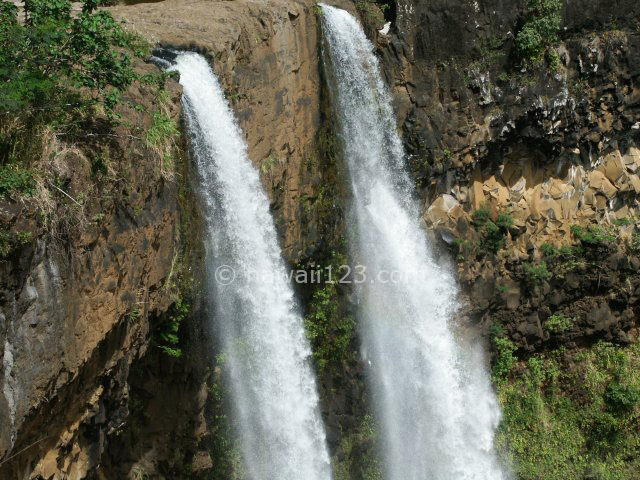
(433, 397)
(274, 395)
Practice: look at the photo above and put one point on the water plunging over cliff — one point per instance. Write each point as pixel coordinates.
(274, 394)
(433, 395)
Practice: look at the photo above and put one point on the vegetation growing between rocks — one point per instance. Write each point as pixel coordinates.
(62, 75)
(558, 323)
(222, 444)
(539, 31)
(571, 415)
(372, 11)
(329, 329)
(592, 235)
(168, 335)
(493, 233)
(365, 433)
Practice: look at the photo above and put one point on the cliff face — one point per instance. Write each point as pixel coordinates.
(551, 148)
(85, 388)
(79, 294)
(266, 55)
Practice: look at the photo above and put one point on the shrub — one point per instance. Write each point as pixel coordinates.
(372, 11)
(623, 222)
(53, 50)
(540, 29)
(15, 179)
(548, 250)
(570, 412)
(593, 235)
(558, 323)
(329, 330)
(494, 234)
(622, 396)
(504, 359)
(535, 274)
(481, 216)
(10, 241)
(168, 336)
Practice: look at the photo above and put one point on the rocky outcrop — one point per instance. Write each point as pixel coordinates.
(551, 149)
(90, 302)
(265, 54)
(86, 392)
(81, 296)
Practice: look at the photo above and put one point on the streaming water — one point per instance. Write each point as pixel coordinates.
(432, 390)
(273, 388)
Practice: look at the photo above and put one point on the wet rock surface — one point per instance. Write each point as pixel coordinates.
(552, 149)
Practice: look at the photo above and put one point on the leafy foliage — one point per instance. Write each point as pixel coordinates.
(569, 414)
(372, 11)
(329, 330)
(535, 274)
(15, 179)
(593, 235)
(558, 323)
(55, 51)
(494, 233)
(540, 30)
(365, 434)
(9, 241)
(504, 359)
(169, 339)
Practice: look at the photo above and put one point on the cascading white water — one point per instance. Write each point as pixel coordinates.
(433, 394)
(274, 394)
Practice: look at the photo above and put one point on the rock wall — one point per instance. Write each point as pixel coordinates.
(82, 295)
(551, 148)
(265, 54)
(87, 393)
(94, 401)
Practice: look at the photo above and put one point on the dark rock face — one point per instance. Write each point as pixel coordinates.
(78, 316)
(469, 114)
(81, 301)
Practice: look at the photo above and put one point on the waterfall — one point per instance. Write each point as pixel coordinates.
(273, 388)
(432, 391)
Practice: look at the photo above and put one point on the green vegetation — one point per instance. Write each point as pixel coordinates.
(269, 164)
(16, 179)
(329, 330)
(168, 335)
(552, 252)
(371, 11)
(623, 222)
(162, 137)
(45, 60)
(535, 274)
(490, 51)
(9, 241)
(548, 250)
(466, 248)
(222, 444)
(634, 243)
(558, 323)
(350, 462)
(493, 233)
(163, 129)
(571, 415)
(504, 359)
(593, 235)
(61, 74)
(539, 31)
